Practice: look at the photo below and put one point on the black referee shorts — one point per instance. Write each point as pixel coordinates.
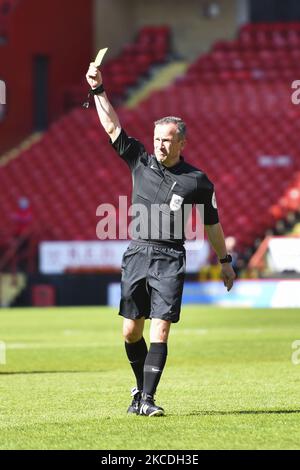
(152, 281)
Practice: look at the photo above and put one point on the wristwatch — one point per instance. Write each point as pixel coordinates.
(227, 259)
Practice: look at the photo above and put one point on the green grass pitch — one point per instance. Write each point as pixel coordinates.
(229, 382)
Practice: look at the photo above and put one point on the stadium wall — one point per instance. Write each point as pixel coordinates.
(193, 33)
(61, 31)
(114, 24)
(66, 289)
(117, 22)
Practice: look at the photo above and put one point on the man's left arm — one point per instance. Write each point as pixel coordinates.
(216, 238)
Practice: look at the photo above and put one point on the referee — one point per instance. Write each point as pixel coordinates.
(153, 265)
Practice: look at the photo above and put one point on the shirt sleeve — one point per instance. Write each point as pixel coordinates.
(205, 195)
(128, 148)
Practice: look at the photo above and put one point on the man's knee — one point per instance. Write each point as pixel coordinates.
(159, 332)
(132, 330)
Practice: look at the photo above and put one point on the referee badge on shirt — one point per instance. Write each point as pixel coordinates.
(176, 202)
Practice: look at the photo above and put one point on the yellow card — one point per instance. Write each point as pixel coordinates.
(100, 56)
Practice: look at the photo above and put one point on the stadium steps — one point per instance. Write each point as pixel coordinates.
(11, 286)
(162, 78)
(26, 144)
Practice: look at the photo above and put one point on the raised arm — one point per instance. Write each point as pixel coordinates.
(107, 115)
(216, 237)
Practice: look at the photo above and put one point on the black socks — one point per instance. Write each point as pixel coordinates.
(136, 353)
(147, 366)
(154, 365)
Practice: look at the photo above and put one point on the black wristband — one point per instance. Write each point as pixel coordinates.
(97, 91)
(93, 91)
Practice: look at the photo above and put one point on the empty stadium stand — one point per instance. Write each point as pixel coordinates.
(243, 131)
(152, 46)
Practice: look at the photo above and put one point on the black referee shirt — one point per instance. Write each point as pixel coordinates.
(163, 197)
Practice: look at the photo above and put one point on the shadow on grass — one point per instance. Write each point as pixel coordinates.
(241, 412)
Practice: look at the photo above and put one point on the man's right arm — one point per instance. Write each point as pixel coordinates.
(107, 115)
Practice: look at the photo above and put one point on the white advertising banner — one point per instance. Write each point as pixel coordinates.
(56, 257)
(254, 293)
(284, 254)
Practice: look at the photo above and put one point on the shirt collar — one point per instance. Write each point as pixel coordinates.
(172, 169)
(176, 168)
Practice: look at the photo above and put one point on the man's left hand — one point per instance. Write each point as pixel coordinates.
(228, 275)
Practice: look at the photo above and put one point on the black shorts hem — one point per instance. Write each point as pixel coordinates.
(132, 316)
(172, 319)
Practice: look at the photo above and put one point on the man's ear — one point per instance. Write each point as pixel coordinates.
(183, 142)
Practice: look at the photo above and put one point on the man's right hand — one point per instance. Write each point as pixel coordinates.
(93, 76)
(107, 115)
